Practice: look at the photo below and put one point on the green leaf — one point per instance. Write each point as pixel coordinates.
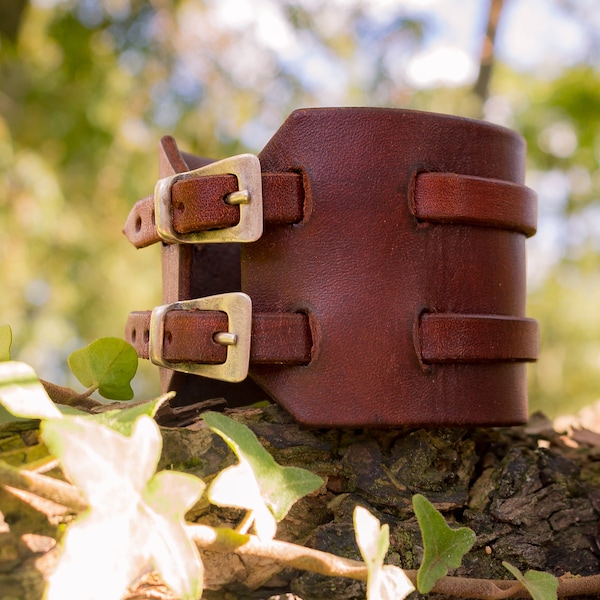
(135, 520)
(384, 582)
(5, 342)
(72, 411)
(123, 420)
(22, 394)
(443, 547)
(237, 486)
(107, 364)
(168, 496)
(268, 488)
(541, 586)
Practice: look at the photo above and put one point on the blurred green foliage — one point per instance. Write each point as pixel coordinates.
(88, 87)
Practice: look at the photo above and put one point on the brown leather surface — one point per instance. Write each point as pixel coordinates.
(276, 338)
(198, 205)
(452, 338)
(365, 268)
(409, 259)
(458, 199)
(286, 338)
(190, 271)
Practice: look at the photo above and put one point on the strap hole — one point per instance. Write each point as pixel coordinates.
(168, 337)
(180, 207)
(138, 224)
(133, 335)
(146, 336)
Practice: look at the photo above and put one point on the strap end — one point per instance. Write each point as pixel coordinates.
(140, 227)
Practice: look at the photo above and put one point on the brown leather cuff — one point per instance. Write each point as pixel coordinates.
(383, 274)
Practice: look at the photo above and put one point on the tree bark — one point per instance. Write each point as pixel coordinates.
(532, 499)
(531, 495)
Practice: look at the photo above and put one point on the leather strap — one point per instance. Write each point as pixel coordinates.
(198, 205)
(459, 199)
(277, 338)
(455, 338)
(285, 338)
(437, 197)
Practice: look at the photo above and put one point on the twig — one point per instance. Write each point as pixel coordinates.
(308, 559)
(46, 487)
(226, 540)
(220, 539)
(69, 397)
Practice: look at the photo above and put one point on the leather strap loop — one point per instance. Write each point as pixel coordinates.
(285, 338)
(198, 205)
(458, 338)
(277, 338)
(451, 198)
(437, 197)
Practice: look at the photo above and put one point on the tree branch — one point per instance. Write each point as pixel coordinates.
(69, 397)
(309, 559)
(227, 540)
(486, 64)
(46, 487)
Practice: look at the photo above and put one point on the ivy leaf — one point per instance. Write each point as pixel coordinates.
(269, 490)
(122, 420)
(5, 342)
(443, 547)
(22, 394)
(384, 582)
(168, 496)
(135, 519)
(108, 364)
(541, 586)
(237, 486)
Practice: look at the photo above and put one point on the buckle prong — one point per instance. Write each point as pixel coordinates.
(238, 308)
(225, 338)
(239, 197)
(246, 168)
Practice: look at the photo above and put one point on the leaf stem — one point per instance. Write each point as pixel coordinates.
(225, 540)
(245, 524)
(69, 397)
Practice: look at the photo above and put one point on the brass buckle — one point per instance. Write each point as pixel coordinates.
(238, 307)
(246, 167)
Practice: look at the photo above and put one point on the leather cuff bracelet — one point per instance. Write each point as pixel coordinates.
(367, 268)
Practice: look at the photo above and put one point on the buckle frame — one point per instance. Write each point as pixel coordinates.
(246, 168)
(238, 307)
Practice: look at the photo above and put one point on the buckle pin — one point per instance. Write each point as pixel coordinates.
(239, 197)
(246, 168)
(225, 338)
(238, 308)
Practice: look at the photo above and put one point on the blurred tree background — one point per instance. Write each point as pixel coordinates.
(87, 87)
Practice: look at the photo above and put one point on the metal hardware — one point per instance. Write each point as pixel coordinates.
(238, 307)
(246, 167)
(225, 338)
(239, 197)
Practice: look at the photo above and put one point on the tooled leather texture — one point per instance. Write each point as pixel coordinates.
(401, 289)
